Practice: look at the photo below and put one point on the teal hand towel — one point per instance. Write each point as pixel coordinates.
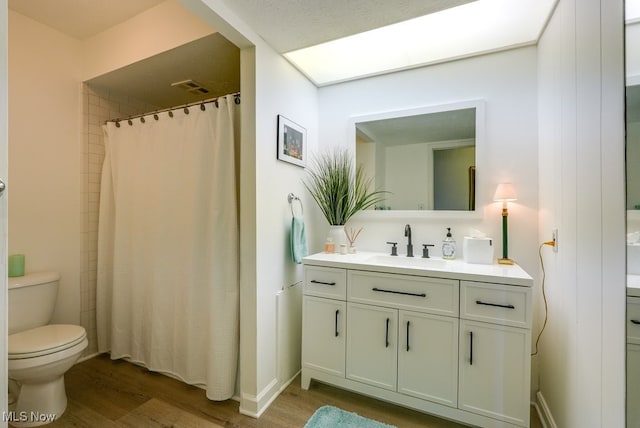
(298, 240)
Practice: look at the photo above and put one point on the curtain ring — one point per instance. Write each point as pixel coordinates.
(186, 110)
(170, 113)
(236, 99)
(216, 103)
(130, 122)
(117, 124)
(155, 116)
(142, 119)
(202, 107)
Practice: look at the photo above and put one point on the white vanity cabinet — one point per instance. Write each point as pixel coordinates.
(396, 338)
(448, 342)
(324, 320)
(427, 358)
(372, 349)
(495, 344)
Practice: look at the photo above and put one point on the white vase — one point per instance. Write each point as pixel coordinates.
(336, 233)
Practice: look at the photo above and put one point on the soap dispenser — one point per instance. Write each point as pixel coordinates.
(449, 246)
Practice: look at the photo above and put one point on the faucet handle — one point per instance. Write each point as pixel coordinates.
(425, 250)
(394, 248)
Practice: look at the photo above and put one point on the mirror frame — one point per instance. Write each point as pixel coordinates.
(480, 198)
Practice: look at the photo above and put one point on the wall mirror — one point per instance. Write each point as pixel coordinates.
(632, 121)
(426, 157)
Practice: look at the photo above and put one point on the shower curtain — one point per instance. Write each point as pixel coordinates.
(167, 290)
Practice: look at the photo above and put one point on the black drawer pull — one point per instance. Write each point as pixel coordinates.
(408, 322)
(470, 348)
(313, 281)
(386, 338)
(635, 322)
(406, 293)
(479, 302)
(336, 325)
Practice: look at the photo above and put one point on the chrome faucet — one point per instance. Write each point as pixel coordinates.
(407, 233)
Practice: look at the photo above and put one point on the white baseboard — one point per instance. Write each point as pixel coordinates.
(544, 412)
(255, 406)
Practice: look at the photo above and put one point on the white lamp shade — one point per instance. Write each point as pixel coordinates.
(505, 192)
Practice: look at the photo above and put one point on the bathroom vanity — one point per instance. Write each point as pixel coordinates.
(440, 336)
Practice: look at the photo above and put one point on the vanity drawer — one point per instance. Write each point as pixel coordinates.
(633, 320)
(434, 295)
(325, 282)
(495, 303)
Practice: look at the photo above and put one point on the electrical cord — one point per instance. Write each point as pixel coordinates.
(544, 295)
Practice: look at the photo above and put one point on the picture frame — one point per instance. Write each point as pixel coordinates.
(292, 142)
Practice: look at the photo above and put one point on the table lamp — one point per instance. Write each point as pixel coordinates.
(505, 193)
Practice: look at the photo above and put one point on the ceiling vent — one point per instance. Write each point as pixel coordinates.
(191, 86)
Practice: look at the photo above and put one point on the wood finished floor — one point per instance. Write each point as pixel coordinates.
(116, 394)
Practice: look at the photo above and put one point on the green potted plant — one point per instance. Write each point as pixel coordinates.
(339, 188)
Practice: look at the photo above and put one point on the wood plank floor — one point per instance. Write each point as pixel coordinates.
(116, 394)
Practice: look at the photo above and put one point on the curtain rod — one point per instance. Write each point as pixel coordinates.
(185, 107)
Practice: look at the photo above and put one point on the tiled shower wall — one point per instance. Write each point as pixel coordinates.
(99, 105)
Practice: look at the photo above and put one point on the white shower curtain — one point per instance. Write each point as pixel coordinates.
(167, 292)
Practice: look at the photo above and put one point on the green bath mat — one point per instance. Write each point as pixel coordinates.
(332, 417)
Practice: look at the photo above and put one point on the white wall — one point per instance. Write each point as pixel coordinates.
(506, 81)
(44, 155)
(581, 149)
(280, 90)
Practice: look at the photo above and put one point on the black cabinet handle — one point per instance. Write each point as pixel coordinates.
(336, 325)
(386, 338)
(408, 322)
(635, 322)
(313, 281)
(478, 302)
(470, 348)
(406, 293)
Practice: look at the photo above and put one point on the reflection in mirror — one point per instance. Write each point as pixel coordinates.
(425, 158)
(633, 147)
(632, 73)
(633, 247)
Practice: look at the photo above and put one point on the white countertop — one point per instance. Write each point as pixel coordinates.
(633, 285)
(453, 269)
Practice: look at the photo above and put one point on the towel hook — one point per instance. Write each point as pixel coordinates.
(292, 198)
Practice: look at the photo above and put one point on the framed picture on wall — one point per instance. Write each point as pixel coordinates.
(292, 142)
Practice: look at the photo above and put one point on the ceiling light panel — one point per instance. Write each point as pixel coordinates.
(478, 27)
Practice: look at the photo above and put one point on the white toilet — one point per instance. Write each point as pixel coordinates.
(39, 353)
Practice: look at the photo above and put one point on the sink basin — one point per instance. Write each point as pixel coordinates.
(402, 261)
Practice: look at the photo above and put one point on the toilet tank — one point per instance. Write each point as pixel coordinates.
(32, 298)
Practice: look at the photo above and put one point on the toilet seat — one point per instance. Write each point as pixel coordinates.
(45, 340)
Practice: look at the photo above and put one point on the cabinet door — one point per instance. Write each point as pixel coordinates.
(372, 345)
(495, 371)
(633, 385)
(428, 357)
(323, 335)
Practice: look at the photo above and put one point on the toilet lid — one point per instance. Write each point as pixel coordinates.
(44, 340)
